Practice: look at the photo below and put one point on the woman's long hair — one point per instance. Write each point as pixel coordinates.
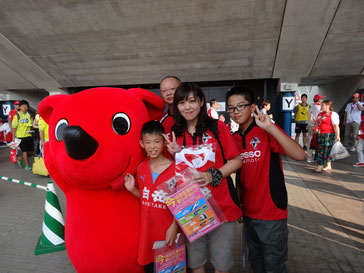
(328, 103)
(180, 124)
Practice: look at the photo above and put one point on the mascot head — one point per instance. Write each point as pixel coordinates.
(94, 135)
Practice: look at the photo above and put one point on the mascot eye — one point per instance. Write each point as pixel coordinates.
(61, 125)
(121, 123)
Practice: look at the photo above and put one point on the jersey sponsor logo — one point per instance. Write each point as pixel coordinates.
(251, 157)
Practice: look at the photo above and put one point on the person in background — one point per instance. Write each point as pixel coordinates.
(212, 111)
(360, 147)
(22, 124)
(192, 127)
(265, 108)
(352, 120)
(315, 109)
(301, 117)
(168, 86)
(263, 191)
(36, 137)
(13, 112)
(157, 222)
(43, 133)
(328, 133)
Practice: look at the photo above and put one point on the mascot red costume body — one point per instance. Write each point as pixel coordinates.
(93, 143)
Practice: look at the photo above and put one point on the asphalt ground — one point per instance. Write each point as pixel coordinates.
(326, 220)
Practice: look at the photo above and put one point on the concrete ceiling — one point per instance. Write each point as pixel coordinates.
(47, 44)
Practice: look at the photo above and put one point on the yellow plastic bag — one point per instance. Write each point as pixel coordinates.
(39, 166)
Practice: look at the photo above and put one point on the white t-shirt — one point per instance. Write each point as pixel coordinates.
(213, 113)
(335, 119)
(353, 113)
(315, 109)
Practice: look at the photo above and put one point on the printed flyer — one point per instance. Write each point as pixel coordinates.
(193, 212)
(172, 261)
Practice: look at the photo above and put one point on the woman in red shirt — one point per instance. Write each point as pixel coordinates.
(328, 132)
(192, 127)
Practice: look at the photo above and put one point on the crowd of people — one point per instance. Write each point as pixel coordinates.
(252, 150)
(32, 132)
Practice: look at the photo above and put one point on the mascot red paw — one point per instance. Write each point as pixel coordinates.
(93, 143)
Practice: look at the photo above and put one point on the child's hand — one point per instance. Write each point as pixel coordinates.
(172, 146)
(171, 233)
(129, 182)
(262, 120)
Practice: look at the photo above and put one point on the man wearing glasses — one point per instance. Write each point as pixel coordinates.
(168, 86)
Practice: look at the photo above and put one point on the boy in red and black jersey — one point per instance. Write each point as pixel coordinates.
(264, 195)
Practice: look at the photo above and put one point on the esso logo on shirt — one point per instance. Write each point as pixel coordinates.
(251, 157)
(250, 154)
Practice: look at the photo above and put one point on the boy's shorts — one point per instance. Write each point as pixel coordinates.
(26, 144)
(221, 244)
(301, 127)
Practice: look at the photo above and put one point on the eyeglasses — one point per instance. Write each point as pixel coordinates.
(238, 108)
(172, 89)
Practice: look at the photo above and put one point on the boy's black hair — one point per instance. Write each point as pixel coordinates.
(247, 93)
(212, 102)
(180, 124)
(22, 102)
(304, 95)
(152, 127)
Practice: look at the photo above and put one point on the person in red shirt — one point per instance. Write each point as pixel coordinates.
(13, 112)
(157, 223)
(360, 146)
(263, 193)
(328, 132)
(192, 127)
(168, 86)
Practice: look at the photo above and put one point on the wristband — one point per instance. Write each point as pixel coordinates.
(216, 176)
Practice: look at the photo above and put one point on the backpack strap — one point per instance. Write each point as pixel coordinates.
(232, 189)
(215, 131)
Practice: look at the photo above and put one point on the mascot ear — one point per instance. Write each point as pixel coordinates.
(47, 105)
(154, 104)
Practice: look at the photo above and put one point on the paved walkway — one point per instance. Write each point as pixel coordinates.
(326, 220)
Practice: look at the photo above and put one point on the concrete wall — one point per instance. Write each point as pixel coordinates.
(34, 98)
(340, 92)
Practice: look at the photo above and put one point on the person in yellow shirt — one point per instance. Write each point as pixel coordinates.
(43, 133)
(301, 117)
(21, 128)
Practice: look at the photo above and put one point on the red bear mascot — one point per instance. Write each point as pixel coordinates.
(93, 143)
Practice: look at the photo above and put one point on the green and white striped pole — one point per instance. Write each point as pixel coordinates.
(52, 238)
(23, 182)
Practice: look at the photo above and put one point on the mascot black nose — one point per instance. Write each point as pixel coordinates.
(79, 144)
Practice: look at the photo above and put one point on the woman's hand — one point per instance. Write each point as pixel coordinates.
(202, 179)
(172, 146)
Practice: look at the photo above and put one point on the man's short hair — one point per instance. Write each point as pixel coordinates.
(152, 127)
(303, 95)
(170, 77)
(22, 102)
(212, 102)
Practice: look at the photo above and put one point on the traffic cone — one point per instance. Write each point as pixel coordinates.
(52, 238)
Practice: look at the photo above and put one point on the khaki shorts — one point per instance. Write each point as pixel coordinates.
(221, 244)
